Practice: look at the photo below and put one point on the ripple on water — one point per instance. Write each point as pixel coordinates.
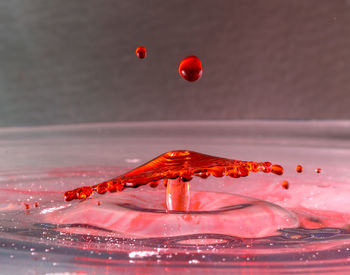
(220, 228)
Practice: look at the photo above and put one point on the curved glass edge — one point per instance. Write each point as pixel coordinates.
(334, 133)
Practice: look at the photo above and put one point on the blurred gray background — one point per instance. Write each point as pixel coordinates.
(74, 61)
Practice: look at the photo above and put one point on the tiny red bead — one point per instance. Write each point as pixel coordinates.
(153, 184)
(318, 170)
(285, 184)
(70, 195)
(141, 52)
(84, 192)
(102, 188)
(299, 168)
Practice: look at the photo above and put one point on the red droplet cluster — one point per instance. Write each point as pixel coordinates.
(190, 68)
(173, 165)
(27, 205)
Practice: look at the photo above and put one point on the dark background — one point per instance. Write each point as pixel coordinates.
(74, 61)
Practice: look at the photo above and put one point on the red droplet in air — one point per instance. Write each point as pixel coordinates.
(27, 206)
(285, 184)
(36, 204)
(141, 52)
(299, 168)
(318, 170)
(277, 169)
(190, 68)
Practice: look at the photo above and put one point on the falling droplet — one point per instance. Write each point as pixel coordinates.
(141, 52)
(285, 184)
(299, 168)
(277, 169)
(318, 170)
(190, 68)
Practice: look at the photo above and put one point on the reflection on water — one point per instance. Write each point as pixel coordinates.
(298, 229)
(245, 226)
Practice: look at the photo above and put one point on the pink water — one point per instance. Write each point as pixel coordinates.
(247, 225)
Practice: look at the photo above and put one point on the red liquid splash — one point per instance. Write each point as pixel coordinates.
(181, 165)
(190, 68)
(318, 170)
(141, 52)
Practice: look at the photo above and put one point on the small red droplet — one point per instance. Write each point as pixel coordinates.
(233, 173)
(299, 168)
(70, 195)
(243, 172)
(217, 171)
(190, 68)
(267, 167)
(285, 184)
(277, 169)
(318, 170)
(98, 203)
(203, 174)
(253, 166)
(153, 184)
(102, 188)
(141, 52)
(36, 204)
(27, 206)
(112, 187)
(84, 192)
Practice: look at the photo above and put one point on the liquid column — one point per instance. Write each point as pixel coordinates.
(177, 195)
